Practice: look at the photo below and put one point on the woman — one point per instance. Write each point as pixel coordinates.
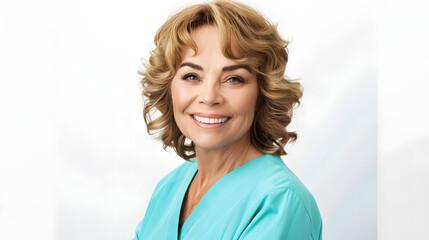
(216, 77)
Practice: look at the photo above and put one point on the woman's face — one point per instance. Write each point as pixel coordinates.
(213, 97)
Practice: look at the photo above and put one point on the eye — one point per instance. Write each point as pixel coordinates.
(190, 76)
(235, 80)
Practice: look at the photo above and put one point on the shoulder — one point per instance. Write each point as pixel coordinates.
(276, 174)
(279, 182)
(177, 175)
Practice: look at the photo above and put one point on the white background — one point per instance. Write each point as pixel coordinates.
(76, 161)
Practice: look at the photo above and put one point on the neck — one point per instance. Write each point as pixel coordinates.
(213, 164)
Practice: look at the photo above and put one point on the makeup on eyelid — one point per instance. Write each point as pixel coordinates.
(240, 79)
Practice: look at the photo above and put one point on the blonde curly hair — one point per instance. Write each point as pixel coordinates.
(260, 46)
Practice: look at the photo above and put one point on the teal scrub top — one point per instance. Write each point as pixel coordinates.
(261, 199)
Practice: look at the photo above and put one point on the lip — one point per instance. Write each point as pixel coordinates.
(206, 115)
(209, 125)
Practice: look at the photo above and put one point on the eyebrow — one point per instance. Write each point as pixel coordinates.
(224, 69)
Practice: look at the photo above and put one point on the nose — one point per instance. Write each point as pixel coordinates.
(209, 93)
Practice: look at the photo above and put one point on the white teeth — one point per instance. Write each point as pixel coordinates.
(210, 120)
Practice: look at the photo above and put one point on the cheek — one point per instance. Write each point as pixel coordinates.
(245, 102)
(180, 97)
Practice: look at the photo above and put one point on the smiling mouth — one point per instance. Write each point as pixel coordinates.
(210, 120)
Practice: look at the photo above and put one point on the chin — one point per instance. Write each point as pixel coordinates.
(209, 144)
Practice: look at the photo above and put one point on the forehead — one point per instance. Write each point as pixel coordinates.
(208, 40)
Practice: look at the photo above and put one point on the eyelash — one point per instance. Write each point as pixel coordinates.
(186, 76)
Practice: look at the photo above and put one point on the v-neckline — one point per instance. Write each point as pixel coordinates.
(184, 189)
